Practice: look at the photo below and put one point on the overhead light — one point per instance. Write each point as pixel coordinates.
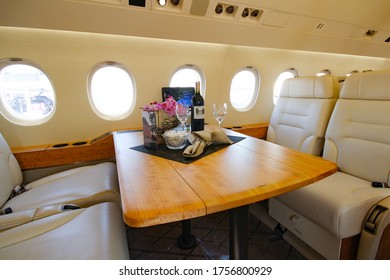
(175, 2)
(162, 2)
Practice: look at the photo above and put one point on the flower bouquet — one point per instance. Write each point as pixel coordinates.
(156, 119)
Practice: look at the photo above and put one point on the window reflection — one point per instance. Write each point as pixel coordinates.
(27, 95)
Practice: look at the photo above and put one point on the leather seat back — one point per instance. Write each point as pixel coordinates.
(358, 135)
(301, 115)
(10, 173)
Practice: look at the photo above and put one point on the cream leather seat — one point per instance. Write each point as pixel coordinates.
(302, 112)
(299, 121)
(93, 233)
(358, 140)
(84, 186)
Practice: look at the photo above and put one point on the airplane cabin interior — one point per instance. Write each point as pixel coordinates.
(296, 166)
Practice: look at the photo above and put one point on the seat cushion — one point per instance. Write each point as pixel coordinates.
(84, 186)
(91, 233)
(338, 203)
(302, 112)
(300, 123)
(10, 172)
(358, 135)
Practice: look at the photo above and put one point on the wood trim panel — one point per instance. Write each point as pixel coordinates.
(258, 130)
(384, 245)
(349, 248)
(33, 157)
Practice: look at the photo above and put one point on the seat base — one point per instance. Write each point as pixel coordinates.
(93, 233)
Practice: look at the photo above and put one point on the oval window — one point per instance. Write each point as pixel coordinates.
(186, 76)
(244, 89)
(27, 95)
(290, 73)
(111, 91)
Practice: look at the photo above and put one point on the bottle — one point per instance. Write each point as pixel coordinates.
(197, 110)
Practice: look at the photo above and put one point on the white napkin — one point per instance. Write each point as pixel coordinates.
(200, 139)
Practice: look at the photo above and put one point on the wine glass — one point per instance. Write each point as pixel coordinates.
(182, 113)
(219, 111)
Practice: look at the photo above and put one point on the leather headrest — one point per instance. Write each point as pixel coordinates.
(373, 85)
(311, 87)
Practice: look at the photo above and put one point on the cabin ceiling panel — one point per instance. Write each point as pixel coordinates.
(322, 26)
(277, 19)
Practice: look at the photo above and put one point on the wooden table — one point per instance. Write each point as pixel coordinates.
(155, 190)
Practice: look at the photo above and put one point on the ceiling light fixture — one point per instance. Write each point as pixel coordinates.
(162, 2)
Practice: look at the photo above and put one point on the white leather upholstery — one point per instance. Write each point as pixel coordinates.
(302, 113)
(83, 186)
(358, 136)
(337, 203)
(358, 140)
(10, 172)
(97, 232)
(39, 229)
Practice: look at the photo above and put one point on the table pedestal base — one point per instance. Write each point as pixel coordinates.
(238, 238)
(187, 240)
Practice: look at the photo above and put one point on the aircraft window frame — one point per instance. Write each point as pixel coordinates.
(247, 102)
(35, 108)
(99, 107)
(189, 82)
(287, 74)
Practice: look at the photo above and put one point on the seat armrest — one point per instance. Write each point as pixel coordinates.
(375, 236)
(22, 217)
(16, 219)
(46, 211)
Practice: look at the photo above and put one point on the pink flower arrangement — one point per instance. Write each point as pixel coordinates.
(169, 106)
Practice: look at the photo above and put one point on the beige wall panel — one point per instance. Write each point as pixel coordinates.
(68, 57)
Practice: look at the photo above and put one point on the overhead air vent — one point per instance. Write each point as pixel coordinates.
(226, 11)
(251, 14)
(237, 12)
